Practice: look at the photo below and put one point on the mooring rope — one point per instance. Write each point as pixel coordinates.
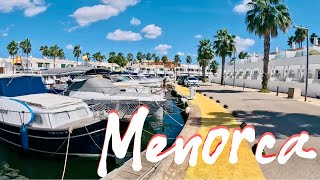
(66, 158)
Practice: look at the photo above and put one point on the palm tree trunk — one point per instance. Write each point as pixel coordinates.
(148, 68)
(222, 69)
(156, 70)
(188, 70)
(265, 76)
(27, 62)
(203, 71)
(77, 61)
(54, 62)
(12, 64)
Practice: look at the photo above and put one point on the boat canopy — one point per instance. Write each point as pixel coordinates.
(20, 85)
(100, 85)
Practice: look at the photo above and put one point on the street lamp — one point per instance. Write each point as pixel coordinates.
(307, 66)
(234, 67)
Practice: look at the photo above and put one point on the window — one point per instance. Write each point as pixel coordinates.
(63, 66)
(40, 64)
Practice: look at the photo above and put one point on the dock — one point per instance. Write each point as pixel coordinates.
(205, 114)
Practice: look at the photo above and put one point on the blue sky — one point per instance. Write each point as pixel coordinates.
(160, 26)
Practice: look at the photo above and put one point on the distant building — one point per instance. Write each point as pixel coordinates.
(147, 68)
(286, 66)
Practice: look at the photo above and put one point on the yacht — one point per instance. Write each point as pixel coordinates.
(38, 121)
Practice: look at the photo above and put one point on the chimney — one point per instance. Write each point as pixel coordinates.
(277, 49)
(293, 45)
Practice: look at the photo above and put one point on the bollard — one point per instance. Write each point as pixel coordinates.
(217, 101)
(226, 106)
(277, 90)
(243, 125)
(244, 84)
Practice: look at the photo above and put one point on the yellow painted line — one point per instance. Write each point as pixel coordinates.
(215, 115)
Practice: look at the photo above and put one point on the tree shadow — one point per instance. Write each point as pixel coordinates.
(218, 91)
(218, 119)
(282, 125)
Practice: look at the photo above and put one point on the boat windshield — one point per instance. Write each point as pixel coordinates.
(20, 86)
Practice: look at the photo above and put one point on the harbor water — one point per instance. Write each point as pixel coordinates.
(15, 164)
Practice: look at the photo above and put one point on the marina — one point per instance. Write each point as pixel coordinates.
(37, 121)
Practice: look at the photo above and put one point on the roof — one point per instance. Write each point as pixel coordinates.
(48, 101)
(60, 71)
(18, 75)
(97, 84)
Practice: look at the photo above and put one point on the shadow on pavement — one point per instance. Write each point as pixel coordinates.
(220, 91)
(219, 119)
(281, 124)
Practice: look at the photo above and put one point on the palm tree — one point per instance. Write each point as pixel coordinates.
(61, 54)
(54, 52)
(176, 62)
(313, 36)
(189, 61)
(111, 59)
(101, 57)
(300, 35)
(121, 60)
(243, 55)
(291, 41)
(26, 48)
(224, 45)
(214, 66)
(263, 19)
(164, 60)
(205, 53)
(140, 58)
(148, 57)
(156, 61)
(95, 57)
(77, 52)
(130, 58)
(12, 49)
(44, 51)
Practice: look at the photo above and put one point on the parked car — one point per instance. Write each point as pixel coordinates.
(181, 79)
(191, 81)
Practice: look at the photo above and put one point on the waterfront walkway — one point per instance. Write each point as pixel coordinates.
(213, 114)
(204, 115)
(277, 114)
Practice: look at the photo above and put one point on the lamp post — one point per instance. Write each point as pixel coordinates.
(307, 65)
(234, 67)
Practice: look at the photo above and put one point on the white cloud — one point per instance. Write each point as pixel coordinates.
(5, 32)
(120, 35)
(121, 4)
(34, 10)
(90, 14)
(151, 31)
(180, 53)
(69, 46)
(163, 49)
(243, 44)
(134, 21)
(30, 7)
(242, 7)
(199, 36)
(193, 55)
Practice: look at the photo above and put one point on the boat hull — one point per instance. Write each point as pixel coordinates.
(84, 141)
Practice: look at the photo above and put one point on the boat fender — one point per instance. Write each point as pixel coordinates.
(24, 137)
(184, 100)
(188, 109)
